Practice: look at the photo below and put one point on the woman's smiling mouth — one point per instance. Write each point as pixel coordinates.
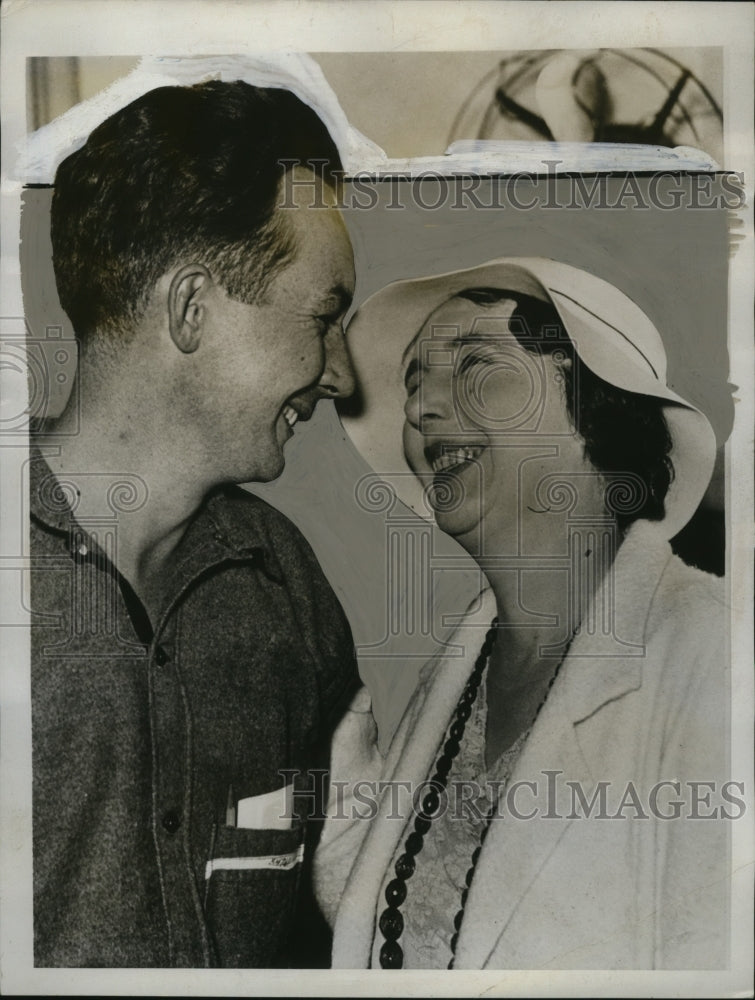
(443, 457)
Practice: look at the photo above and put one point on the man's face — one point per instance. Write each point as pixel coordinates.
(274, 360)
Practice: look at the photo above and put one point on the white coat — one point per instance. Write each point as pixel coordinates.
(574, 891)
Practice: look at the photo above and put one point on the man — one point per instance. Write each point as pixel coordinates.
(186, 647)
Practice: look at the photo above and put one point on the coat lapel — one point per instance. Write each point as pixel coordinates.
(596, 671)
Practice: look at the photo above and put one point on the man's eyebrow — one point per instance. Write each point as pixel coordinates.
(341, 297)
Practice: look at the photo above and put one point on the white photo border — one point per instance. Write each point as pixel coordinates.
(183, 27)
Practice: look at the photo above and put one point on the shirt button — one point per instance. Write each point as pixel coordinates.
(161, 657)
(171, 821)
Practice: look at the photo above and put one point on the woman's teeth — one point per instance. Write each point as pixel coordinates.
(290, 414)
(454, 456)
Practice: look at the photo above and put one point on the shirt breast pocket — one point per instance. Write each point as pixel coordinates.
(251, 884)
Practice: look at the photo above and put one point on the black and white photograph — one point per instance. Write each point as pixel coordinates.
(377, 499)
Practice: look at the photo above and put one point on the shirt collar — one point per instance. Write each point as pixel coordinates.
(52, 501)
(228, 525)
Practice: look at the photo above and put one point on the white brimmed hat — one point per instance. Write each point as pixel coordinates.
(611, 334)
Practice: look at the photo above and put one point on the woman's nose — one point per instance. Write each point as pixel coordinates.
(431, 400)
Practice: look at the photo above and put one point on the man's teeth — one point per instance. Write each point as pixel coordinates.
(454, 456)
(290, 414)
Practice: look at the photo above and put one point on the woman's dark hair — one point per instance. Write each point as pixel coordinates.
(625, 434)
(181, 172)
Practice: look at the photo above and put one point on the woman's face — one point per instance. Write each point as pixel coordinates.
(487, 425)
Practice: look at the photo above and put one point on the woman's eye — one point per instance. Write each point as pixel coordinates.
(412, 377)
(411, 385)
(474, 358)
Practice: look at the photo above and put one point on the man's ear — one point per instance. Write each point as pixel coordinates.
(187, 305)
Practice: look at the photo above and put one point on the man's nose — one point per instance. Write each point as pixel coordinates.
(338, 379)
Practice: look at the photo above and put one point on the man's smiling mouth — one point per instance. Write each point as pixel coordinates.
(290, 415)
(297, 408)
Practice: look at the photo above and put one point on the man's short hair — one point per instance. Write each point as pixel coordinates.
(181, 173)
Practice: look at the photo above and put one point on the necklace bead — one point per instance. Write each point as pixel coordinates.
(442, 767)
(404, 867)
(422, 824)
(391, 923)
(391, 955)
(464, 712)
(457, 731)
(414, 843)
(431, 803)
(395, 892)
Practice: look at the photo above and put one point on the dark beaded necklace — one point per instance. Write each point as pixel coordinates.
(391, 921)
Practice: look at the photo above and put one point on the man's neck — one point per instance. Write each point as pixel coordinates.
(128, 468)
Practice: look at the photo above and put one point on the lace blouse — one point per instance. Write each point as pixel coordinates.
(434, 890)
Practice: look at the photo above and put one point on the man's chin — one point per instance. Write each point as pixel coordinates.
(274, 471)
(268, 469)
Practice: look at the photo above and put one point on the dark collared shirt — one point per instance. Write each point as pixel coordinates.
(144, 733)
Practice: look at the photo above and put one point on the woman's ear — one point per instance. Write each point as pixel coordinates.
(187, 306)
(562, 364)
(561, 360)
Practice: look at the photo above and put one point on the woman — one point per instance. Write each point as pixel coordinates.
(556, 768)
